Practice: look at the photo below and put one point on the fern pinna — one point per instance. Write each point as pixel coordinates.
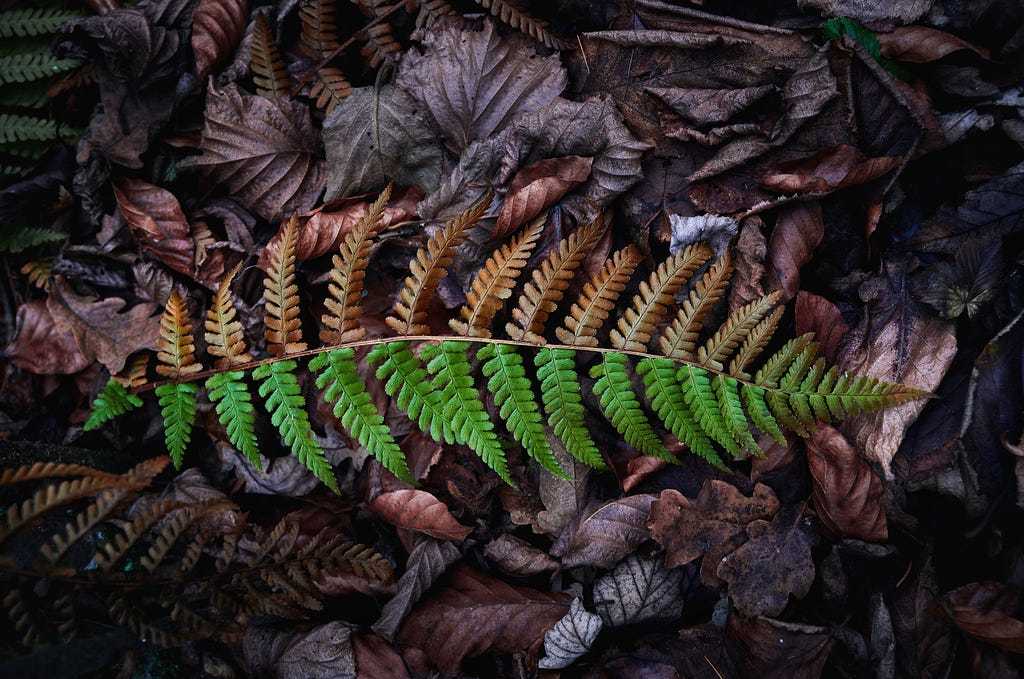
(700, 382)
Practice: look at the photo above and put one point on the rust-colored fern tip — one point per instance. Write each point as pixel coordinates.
(283, 331)
(177, 354)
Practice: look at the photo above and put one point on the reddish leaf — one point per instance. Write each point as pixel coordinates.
(823, 318)
(419, 511)
(983, 611)
(639, 469)
(920, 44)
(712, 527)
(471, 613)
(611, 532)
(797, 233)
(827, 170)
(537, 187)
(848, 495)
(156, 220)
(40, 348)
(773, 649)
(217, 28)
(378, 659)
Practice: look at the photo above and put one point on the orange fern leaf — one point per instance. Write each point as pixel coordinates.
(283, 332)
(680, 338)
(736, 328)
(319, 33)
(134, 373)
(329, 88)
(177, 352)
(755, 343)
(598, 298)
(380, 44)
(268, 71)
(224, 336)
(507, 11)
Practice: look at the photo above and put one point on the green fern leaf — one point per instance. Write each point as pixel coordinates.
(337, 376)
(29, 66)
(728, 391)
(16, 128)
(30, 22)
(620, 404)
(405, 379)
(760, 415)
(701, 400)
(20, 239)
(287, 409)
(669, 402)
(449, 364)
(513, 395)
(178, 407)
(230, 396)
(560, 393)
(112, 402)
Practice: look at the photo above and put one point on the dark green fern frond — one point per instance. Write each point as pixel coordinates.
(513, 395)
(615, 389)
(18, 239)
(230, 395)
(669, 402)
(563, 402)
(19, 128)
(405, 379)
(112, 402)
(24, 23)
(178, 408)
(338, 377)
(29, 66)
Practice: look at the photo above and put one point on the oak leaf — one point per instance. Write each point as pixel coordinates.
(419, 511)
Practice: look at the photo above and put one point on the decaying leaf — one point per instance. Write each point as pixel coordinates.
(427, 562)
(921, 44)
(774, 563)
(609, 533)
(325, 652)
(985, 612)
(820, 316)
(777, 649)
(157, 221)
(715, 230)
(537, 187)
(638, 590)
(470, 613)
(40, 348)
(217, 28)
(517, 557)
(871, 11)
(827, 170)
(571, 637)
(419, 511)
(798, 231)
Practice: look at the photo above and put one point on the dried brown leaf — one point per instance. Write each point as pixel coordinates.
(217, 28)
(984, 610)
(157, 221)
(871, 11)
(518, 557)
(638, 590)
(427, 562)
(798, 231)
(829, 169)
(470, 613)
(848, 495)
(702, 106)
(774, 649)
(610, 532)
(419, 511)
(920, 44)
(39, 347)
(378, 659)
(325, 652)
(537, 187)
(820, 316)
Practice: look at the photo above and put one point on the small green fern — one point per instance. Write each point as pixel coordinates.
(18, 239)
(112, 402)
(23, 23)
(700, 388)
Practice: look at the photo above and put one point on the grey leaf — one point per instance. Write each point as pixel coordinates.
(715, 230)
(638, 589)
(610, 532)
(427, 562)
(467, 183)
(702, 106)
(325, 652)
(570, 638)
(518, 557)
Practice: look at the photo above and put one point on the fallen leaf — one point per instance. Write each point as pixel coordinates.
(427, 562)
(711, 527)
(419, 511)
(983, 611)
(39, 347)
(379, 659)
(263, 150)
(798, 230)
(102, 331)
(703, 106)
(772, 564)
(537, 187)
(286, 476)
(829, 169)
(920, 44)
(324, 652)
(871, 11)
(609, 533)
(471, 81)
(157, 222)
(375, 136)
(518, 557)
(638, 590)
(715, 230)
(774, 649)
(563, 498)
(468, 183)
(848, 495)
(639, 469)
(749, 256)
(696, 653)
(820, 316)
(217, 28)
(469, 614)
(570, 638)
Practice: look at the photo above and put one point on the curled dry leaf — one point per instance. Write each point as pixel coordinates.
(263, 150)
(829, 169)
(470, 613)
(920, 44)
(709, 106)
(379, 659)
(427, 562)
(848, 495)
(472, 81)
(639, 590)
(39, 347)
(217, 28)
(820, 316)
(711, 527)
(609, 533)
(537, 187)
(984, 611)
(763, 647)
(157, 222)
(281, 476)
(749, 258)
(325, 652)
(419, 511)
(518, 557)
(571, 637)
(774, 563)
(798, 231)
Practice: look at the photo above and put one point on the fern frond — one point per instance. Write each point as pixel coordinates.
(736, 328)
(283, 332)
(521, 20)
(380, 44)
(560, 394)
(615, 390)
(18, 128)
(428, 268)
(702, 402)
(230, 395)
(597, 300)
(38, 272)
(330, 87)
(544, 292)
(680, 338)
(178, 408)
(134, 374)
(341, 322)
(494, 282)
(650, 305)
(110, 403)
(669, 401)
(430, 11)
(337, 376)
(177, 353)
(287, 409)
(448, 363)
(25, 23)
(754, 344)
(760, 415)
(172, 530)
(727, 391)
(29, 66)
(319, 33)
(224, 335)
(406, 380)
(84, 521)
(19, 239)
(513, 394)
(268, 70)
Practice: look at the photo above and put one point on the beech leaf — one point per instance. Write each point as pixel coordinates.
(263, 150)
(920, 44)
(217, 28)
(571, 637)
(324, 652)
(798, 231)
(39, 347)
(827, 170)
(820, 316)
(638, 590)
(157, 222)
(610, 532)
(518, 557)
(472, 81)
(537, 187)
(703, 106)
(427, 562)
(419, 511)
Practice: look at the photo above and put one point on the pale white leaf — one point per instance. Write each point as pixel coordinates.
(639, 590)
(571, 637)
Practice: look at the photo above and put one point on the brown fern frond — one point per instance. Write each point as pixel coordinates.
(380, 44)
(544, 292)
(520, 19)
(430, 11)
(597, 300)
(319, 33)
(494, 282)
(650, 305)
(268, 70)
(428, 268)
(736, 328)
(123, 610)
(754, 344)
(341, 322)
(84, 521)
(329, 88)
(196, 626)
(49, 470)
(115, 549)
(38, 272)
(134, 373)
(24, 615)
(283, 331)
(224, 335)
(177, 353)
(680, 338)
(176, 527)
